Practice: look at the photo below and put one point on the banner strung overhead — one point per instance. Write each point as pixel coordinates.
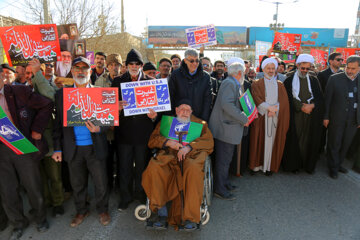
(23, 43)
(99, 105)
(142, 95)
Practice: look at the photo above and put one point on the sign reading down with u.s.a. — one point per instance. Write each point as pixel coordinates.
(143, 95)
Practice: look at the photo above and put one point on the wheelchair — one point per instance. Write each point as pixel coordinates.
(143, 212)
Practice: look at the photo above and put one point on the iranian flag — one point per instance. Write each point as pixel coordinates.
(12, 137)
(248, 106)
(170, 128)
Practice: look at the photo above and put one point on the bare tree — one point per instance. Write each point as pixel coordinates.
(93, 18)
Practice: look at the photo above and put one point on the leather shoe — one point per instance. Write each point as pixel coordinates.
(123, 206)
(231, 188)
(104, 218)
(78, 219)
(42, 227)
(333, 175)
(58, 211)
(343, 170)
(227, 196)
(16, 233)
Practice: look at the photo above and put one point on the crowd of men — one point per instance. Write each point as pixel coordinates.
(301, 112)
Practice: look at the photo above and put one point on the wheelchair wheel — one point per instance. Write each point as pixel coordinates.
(142, 213)
(205, 216)
(208, 181)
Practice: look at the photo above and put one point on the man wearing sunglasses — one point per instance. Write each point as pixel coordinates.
(335, 61)
(192, 82)
(306, 114)
(342, 114)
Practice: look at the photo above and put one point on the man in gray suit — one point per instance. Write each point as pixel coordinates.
(227, 121)
(342, 114)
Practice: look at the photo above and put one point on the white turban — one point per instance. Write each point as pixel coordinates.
(234, 60)
(305, 58)
(268, 61)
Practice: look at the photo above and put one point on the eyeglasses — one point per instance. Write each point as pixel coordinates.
(80, 69)
(134, 63)
(193, 60)
(304, 68)
(339, 59)
(49, 65)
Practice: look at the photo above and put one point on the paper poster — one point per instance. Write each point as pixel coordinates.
(99, 105)
(201, 36)
(12, 137)
(23, 43)
(286, 43)
(91, 57)
(68, 31)
(319, 56)
(248, 106)
(347, 52)
(142, 95)
(171, 128)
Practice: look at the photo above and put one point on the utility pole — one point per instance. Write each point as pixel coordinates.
(46, 12)
(122, 17)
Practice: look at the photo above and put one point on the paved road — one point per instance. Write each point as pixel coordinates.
(283, 206)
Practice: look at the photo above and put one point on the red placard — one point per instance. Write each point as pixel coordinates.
(286, 43)
(23, 43)
(320, 56)
(347, 52)
(99, 105)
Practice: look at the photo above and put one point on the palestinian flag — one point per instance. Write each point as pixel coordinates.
(248, 105)
(12, 137)
(170, 127)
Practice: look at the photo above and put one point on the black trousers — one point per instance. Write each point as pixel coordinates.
(224, 156)
(128, 154)
(28, 170)
(83, 163)
(340, 136)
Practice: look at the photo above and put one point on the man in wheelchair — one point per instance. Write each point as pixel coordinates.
(176, 173)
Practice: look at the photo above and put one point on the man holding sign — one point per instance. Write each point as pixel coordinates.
(29, 113)
(227, 122)
(163, 180)
(133, 133)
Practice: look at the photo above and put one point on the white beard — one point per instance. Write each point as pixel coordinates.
(81, 81)
(181, 120)
(63, 69)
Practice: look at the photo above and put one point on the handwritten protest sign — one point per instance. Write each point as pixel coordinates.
(12, 137)
(142, 95)
(286, 43)
(170, 127)
(99, 105)
(201, 36)
(23, 43)
(347, 52)
(248, 106)
(320, 56)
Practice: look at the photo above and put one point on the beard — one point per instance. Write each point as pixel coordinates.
(63, 68)
(301, 75)
(183, 120)
(81, 79)
(134, 73)
(268, 76)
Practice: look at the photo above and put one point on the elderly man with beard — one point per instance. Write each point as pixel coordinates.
(192, 82)
(268, 132)
(342, 113)
(84, 148)
(9, 73)
(176, 61)
(306, 114)
(132, 136)
(163, 181)
(63, 67)
(227, 124)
